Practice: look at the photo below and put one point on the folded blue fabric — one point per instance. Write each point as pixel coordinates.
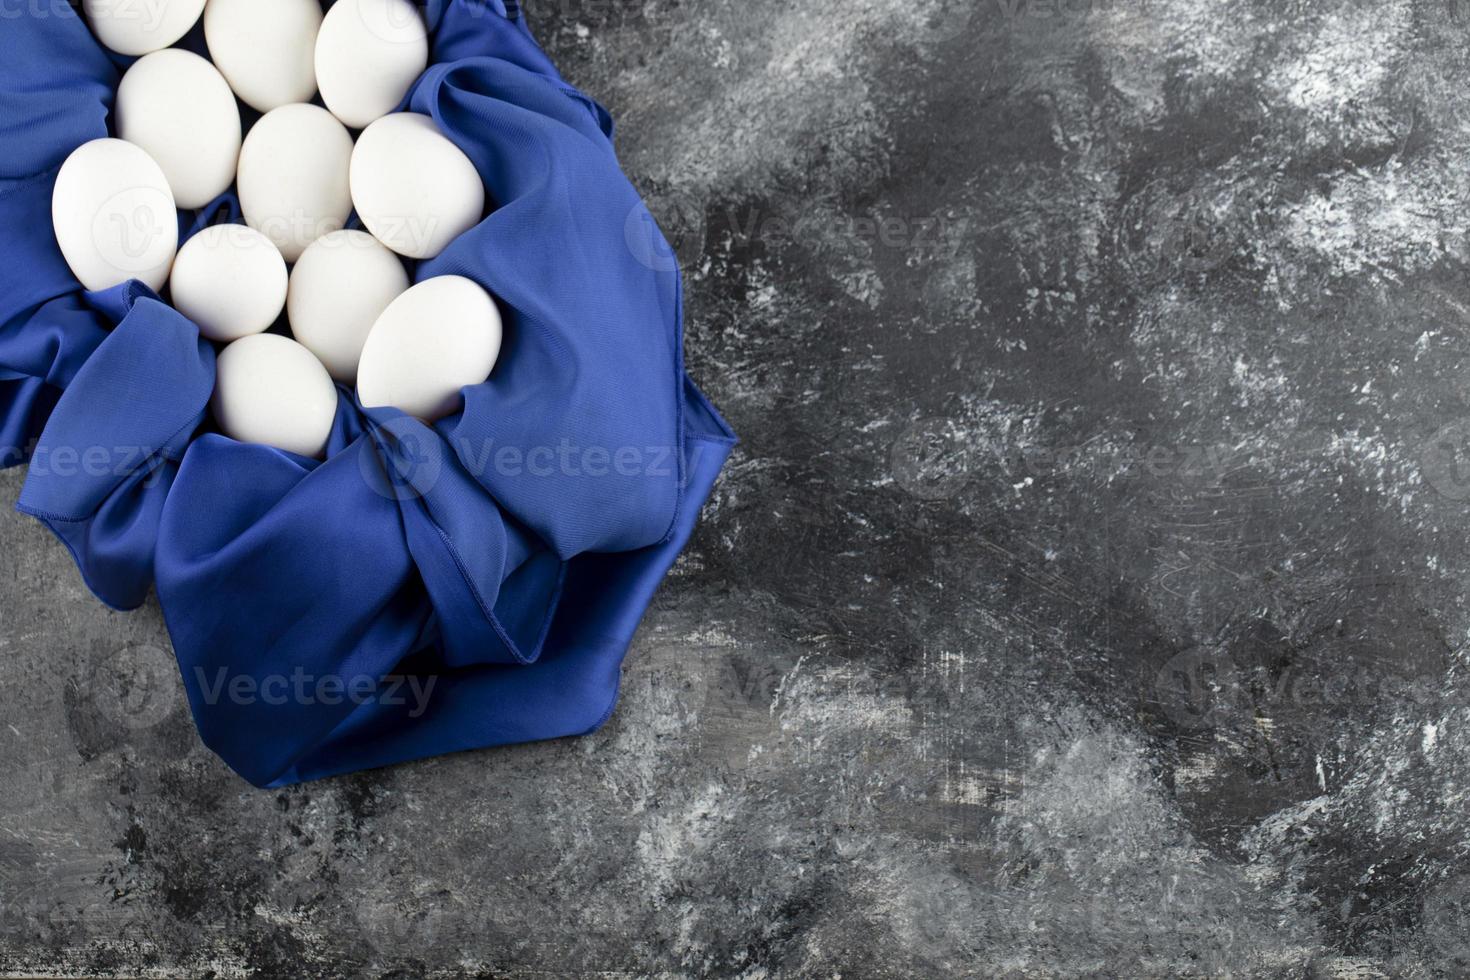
(425, 589)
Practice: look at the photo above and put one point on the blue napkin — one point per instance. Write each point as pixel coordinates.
(424, 589)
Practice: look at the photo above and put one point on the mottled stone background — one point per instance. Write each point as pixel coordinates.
(1088, 597)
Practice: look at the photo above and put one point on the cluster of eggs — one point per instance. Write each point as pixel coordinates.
(299, 176)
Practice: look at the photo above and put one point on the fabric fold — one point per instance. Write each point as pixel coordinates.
(106, 460)
(586, 397)
(570, 691)
(56, 90)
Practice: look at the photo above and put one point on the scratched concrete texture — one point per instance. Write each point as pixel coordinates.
(1088, 598)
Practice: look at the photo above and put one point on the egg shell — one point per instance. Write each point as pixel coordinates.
(266, 49)
(231, 281)
(339, 288)
(439, 337)
(270, 390)
(293, 179)
(179, 109)
(414, 189)
(114, 216)
(135, 27)
(368, 55)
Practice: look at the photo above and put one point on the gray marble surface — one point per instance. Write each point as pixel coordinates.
(1088, 598)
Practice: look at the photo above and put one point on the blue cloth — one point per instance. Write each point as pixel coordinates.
(424, 589)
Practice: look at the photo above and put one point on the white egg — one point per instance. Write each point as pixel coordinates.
(368, 55)
(293, 180)
(339, 288)
(178, 108)
(269, 389)
(413, 188)
(114, 216)
(265, 48)
(442, 335)
(231, 281)
(141, 26)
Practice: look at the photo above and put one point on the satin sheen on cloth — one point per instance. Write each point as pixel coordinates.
(424, 590)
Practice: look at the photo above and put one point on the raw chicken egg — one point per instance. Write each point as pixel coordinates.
(293, 180)
(439, 337)
(134, 27)
(414, 189)
(178, 108)
(339, 288)
(269, 389)
(231, 281)
(368, 55)
(114, 216)
(266, 49)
